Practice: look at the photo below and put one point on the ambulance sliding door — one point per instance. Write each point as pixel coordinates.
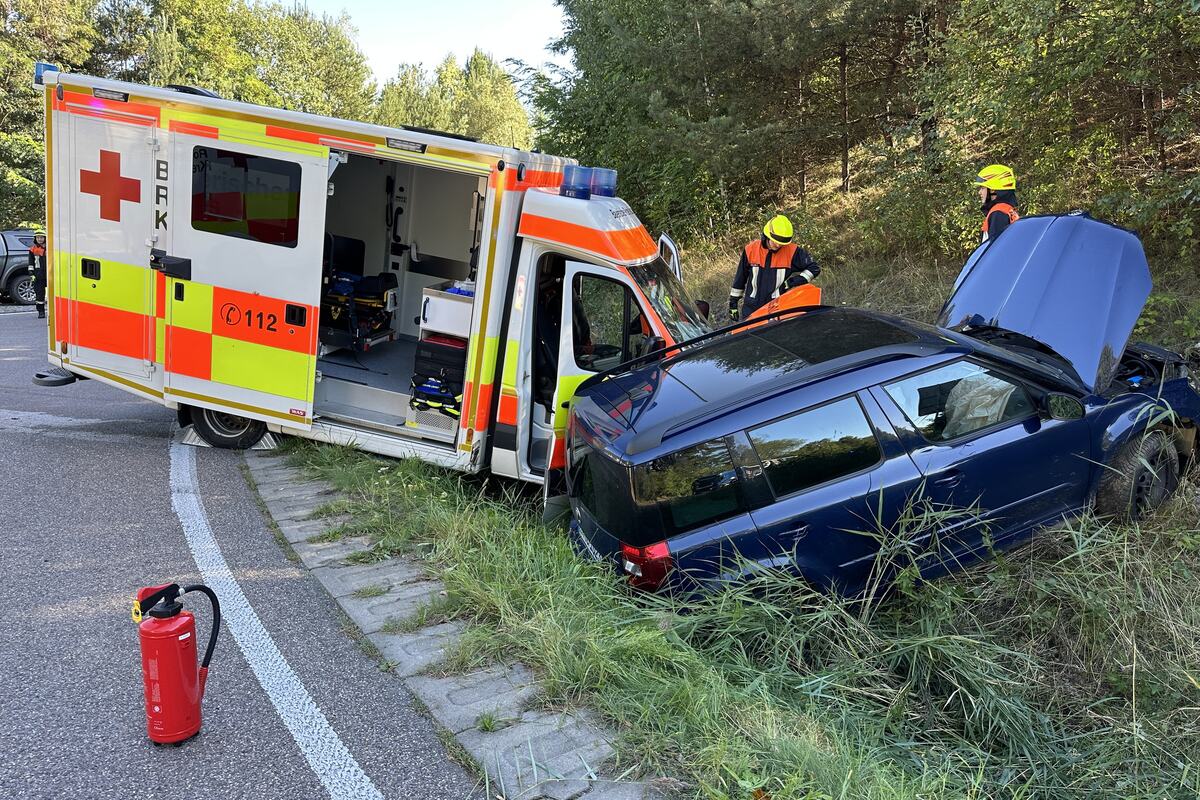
(243, 277)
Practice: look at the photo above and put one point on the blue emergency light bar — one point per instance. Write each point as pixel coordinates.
(604, 182)
(39, 70)
(577, 182)
(583, 182)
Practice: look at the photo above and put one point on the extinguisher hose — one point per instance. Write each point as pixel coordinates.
(216, 620)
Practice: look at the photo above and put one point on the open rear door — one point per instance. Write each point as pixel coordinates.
(241, 277)
(106, 316)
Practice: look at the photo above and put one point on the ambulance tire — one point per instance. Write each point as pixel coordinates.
(227, 431)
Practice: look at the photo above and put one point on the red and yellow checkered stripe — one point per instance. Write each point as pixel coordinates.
(213, 333)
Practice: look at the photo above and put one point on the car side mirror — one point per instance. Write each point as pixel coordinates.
(703, 307)
(1057, 405)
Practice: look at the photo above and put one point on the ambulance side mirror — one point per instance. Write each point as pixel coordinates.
(650, 344)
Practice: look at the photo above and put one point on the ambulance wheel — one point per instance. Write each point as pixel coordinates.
(229, 431)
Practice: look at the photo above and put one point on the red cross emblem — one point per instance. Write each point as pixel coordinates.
(110, 186)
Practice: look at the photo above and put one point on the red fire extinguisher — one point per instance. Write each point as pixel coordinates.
(174, 687)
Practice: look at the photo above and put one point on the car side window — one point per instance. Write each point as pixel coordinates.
(816, 446)
(693, 487)
(607, 323)
(959, 399)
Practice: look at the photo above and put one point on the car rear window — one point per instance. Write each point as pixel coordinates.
(690, 488)
(601, 485)
(816, 446)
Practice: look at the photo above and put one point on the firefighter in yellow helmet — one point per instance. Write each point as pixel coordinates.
(770, 265)
(998, 196)
(37, 266)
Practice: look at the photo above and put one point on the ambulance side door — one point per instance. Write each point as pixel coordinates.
(243, 277)
(602, 326)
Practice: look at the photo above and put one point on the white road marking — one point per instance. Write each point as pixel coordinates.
(329, 758)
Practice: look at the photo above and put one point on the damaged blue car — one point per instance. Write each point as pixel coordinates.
(779, 444)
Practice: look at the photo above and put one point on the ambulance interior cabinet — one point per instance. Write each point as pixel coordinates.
(445, 325)
(443, 312)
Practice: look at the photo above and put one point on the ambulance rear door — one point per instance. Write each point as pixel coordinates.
(243, 277)
(104, 245)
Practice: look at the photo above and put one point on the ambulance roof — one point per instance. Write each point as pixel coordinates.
(357, 137)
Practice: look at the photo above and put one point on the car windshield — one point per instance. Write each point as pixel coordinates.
(670, 300)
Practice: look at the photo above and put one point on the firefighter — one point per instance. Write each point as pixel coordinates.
(998, 195)
(37, 265)
(770, 265)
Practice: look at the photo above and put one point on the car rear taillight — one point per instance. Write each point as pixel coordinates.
(647, 566)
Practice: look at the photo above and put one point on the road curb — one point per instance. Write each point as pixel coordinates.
(527, 753)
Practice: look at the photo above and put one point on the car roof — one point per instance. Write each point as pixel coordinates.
(743, 369)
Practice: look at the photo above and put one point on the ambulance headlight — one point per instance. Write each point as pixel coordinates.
(577, 182)
(604, 182)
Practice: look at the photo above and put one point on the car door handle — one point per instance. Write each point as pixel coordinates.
(948, 480)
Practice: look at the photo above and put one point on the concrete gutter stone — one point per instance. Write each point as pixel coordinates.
(533, 754)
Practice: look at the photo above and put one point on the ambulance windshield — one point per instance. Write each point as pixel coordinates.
(666, 293)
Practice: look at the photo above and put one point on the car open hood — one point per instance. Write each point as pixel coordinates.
(1069, 282)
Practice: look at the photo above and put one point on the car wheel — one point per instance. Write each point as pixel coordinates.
(228, 431)
(20, 289)
(1140, 478)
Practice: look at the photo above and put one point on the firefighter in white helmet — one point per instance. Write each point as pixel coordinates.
(770, 265)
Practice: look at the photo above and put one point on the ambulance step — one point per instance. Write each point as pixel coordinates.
(339, 392)
(359, 417)
(55, 376)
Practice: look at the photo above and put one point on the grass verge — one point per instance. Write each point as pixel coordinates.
(1068, 670)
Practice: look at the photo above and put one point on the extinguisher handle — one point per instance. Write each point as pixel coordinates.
(151, 596)
(216, 620)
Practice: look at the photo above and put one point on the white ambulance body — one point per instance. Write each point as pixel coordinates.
(397, 290)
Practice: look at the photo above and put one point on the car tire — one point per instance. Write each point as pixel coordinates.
(1139, 478)
(227, 431)
(20, 289)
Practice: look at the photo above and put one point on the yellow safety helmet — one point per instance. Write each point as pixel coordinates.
(996, 177)
(778, 229)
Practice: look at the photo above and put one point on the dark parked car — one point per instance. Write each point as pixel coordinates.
(16, 281)
(780, 444)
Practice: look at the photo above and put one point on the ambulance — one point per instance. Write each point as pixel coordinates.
(406, 292)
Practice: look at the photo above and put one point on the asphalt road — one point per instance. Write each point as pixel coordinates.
(85, 519)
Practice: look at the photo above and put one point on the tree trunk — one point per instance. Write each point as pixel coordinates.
(804, 152)
(843, 57)
(926, 23)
